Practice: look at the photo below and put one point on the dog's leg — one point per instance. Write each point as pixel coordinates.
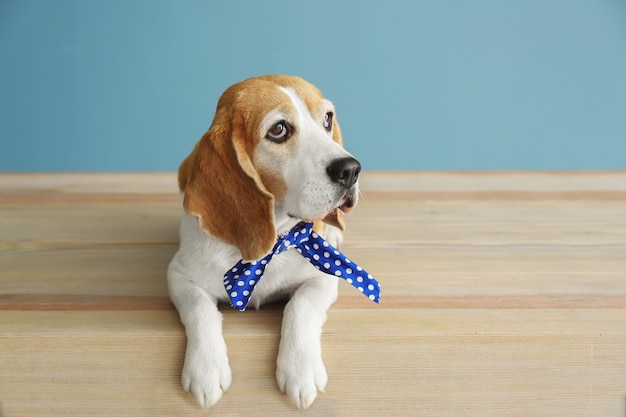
(206, 373)
(300, 370)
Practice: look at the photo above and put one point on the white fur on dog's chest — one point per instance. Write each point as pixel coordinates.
(210, 258)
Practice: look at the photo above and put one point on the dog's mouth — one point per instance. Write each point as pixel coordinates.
(347, 205)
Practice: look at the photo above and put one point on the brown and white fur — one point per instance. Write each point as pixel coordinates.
(272, 157)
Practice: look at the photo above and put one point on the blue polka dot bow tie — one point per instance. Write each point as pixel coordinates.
(241, 279)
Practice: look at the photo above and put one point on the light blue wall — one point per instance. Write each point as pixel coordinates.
(418, 84)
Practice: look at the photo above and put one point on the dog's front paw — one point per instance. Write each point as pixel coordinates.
(301, 376)
(207, 377)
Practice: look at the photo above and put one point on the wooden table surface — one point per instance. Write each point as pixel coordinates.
(504, 294)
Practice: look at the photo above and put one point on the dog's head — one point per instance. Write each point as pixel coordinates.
(273, 152)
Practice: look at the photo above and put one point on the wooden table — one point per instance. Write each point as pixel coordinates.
(504, 294)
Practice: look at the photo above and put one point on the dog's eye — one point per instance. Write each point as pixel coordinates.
(328, 121)
(280, 132)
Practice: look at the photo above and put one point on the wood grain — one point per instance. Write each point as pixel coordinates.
(504, 294)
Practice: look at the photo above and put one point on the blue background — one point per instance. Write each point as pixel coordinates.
(486, 84)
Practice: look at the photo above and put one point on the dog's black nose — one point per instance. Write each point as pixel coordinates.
(344, 171)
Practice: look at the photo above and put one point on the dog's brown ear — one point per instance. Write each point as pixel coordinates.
(337, 132)
(335, 218)
(224, 191)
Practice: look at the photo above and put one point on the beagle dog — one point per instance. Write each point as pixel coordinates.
(272, 158)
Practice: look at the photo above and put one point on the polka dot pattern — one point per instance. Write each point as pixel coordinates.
(241, 279)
